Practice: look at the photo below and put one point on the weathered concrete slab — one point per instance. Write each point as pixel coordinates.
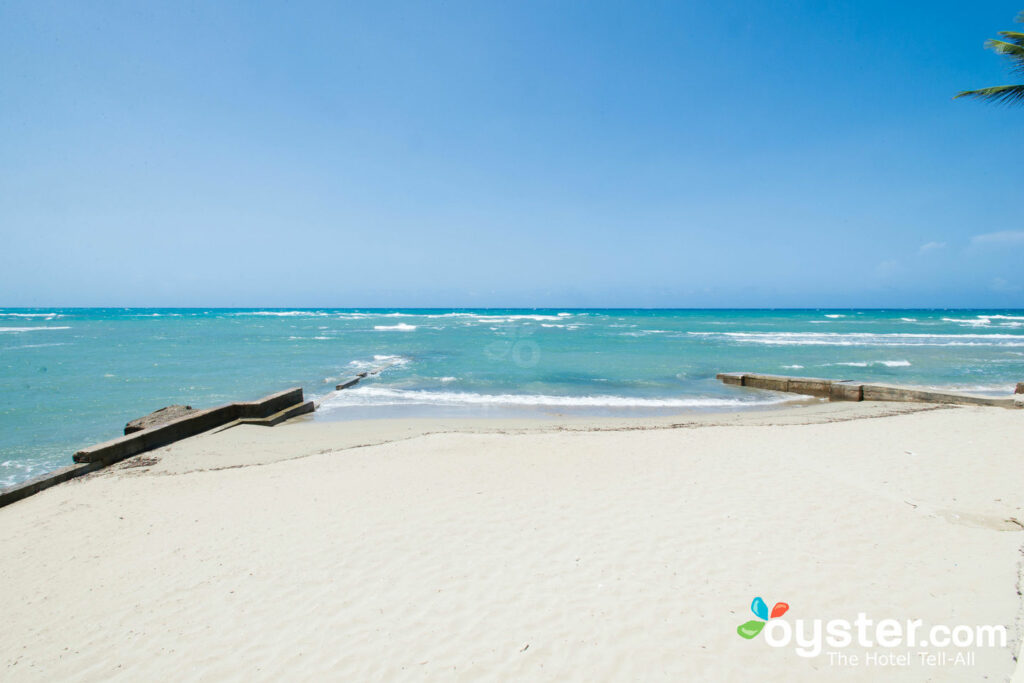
(25, 489)
(734, 378)
(123, 447)
(194, 423)
(269, 410)
(280, 416)
(352, 381)
(846, 390)
(810, 386)
(886, 392)
(381, 368)
(770, 382)
(268, 405)
(157, 417)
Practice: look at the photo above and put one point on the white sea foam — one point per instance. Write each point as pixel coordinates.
(469, 317)
(793, 367)
(283, 314)
(33, 329)
(909, 320)
(34, 346)
(865, 339)
(511, 318)
(869, 363)
(986, 321)
(973, 322)
(643, 333)
(834, 315)
(400, 327)
(48, 316)
(487, 318)
(16, 471)
(369, 395)
(378, 360)
(448, 379)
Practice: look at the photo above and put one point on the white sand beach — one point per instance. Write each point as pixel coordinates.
(517, 550)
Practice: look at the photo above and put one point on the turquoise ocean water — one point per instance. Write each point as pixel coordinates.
(73, 377)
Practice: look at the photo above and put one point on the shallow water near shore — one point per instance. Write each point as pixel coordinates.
(72, 377)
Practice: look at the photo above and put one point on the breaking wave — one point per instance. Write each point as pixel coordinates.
(362, 396)
(33, 329)
(865, 339)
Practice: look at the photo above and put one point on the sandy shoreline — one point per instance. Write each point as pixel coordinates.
(586, 549)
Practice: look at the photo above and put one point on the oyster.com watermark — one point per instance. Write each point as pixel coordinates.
(887, 642)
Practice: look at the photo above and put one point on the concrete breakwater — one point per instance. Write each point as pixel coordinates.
(267, 411)
(850, 390)
(354, 380)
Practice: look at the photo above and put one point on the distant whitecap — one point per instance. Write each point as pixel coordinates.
(400, 327)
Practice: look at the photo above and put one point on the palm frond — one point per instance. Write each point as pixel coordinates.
(1015, 53)
(1012, 37)
(1012, 47)
(1000, 94)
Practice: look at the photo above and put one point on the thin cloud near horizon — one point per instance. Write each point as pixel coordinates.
(1000, 237)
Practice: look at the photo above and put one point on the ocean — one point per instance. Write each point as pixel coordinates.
(73, 377)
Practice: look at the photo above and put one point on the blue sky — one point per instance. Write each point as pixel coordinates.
(507, 154)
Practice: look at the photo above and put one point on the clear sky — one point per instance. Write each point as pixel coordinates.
(677, 154)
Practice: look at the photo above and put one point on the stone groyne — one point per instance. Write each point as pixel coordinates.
(267, 411)
(355, 379)
(850, 390)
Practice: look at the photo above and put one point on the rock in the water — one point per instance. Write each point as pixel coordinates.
(157, 417)
(1020, 388)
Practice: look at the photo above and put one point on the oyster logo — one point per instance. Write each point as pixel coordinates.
(760, 610)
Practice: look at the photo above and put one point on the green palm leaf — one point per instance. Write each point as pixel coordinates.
(1013, 50)
(1013, 37)
(1000, 94)
(1011, 47)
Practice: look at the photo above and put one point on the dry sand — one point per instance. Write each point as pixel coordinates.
(487, 550)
